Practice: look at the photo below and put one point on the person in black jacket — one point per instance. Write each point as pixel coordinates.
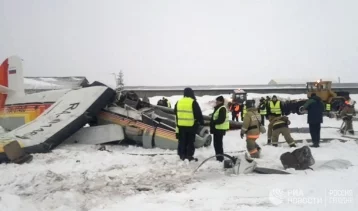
(219, 118)
(315, 108)
(186, 134)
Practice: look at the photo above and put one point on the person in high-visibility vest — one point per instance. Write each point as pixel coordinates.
(219, 124)
(263, 110)
(188, 118)
(328, 107)
(275, 107)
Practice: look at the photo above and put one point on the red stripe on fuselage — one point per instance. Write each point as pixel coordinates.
(4, 81)
(25, 107)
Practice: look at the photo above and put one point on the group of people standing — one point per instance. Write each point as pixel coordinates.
(189, 117)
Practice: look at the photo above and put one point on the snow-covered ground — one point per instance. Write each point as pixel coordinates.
(79, 178)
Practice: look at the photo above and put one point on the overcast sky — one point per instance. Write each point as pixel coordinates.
(183, 42)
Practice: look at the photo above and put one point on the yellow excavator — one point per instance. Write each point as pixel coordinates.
(323, 89)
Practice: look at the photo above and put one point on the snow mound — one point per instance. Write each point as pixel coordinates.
(77, 179)
(9, 202)
(335, 164)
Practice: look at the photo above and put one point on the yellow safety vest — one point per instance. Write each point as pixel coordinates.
(185, 112)
(328, 107)
(226, 124)
(263, 111)
(275, 109)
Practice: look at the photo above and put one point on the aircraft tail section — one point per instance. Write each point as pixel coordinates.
(11, 78)
(3, 82)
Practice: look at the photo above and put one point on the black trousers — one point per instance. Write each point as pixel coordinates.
(263, 120)
(234, 117)
(315, 131)
(218, 146)
(186, 141)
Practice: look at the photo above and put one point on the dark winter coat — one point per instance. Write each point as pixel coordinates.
(221, 119)
(198, 115)
(315, 108)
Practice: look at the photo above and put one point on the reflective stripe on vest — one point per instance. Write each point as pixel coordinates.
(244, 111)
(275, 108)
(279, 122)
(328, 107)
(185, 112)
(226, 124)
(263, 111)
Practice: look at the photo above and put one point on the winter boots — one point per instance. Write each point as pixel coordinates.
(188, 158)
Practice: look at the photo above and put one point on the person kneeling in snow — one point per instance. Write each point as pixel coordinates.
(278, 126)
(251, 127)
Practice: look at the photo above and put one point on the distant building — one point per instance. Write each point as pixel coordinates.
(298, 81)
(38, 84)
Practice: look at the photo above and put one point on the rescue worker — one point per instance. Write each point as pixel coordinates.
(165, 102)
(168, 103)
(188, 118)
(328, 107)
(235, 110)
(161, 102)
(275, 107)
(315, 108)
(243, 111)
(263, 110)
(277, 126)
(250, 127)
(347, 114)
(219, 124)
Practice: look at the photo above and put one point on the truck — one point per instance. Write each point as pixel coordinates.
(323, 89)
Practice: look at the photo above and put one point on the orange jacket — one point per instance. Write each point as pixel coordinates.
(235, 108)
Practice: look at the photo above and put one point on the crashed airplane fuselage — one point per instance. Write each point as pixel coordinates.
(146, 125)
(25, 116)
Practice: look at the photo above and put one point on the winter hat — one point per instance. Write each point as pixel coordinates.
(220, 99)
(188, 92)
